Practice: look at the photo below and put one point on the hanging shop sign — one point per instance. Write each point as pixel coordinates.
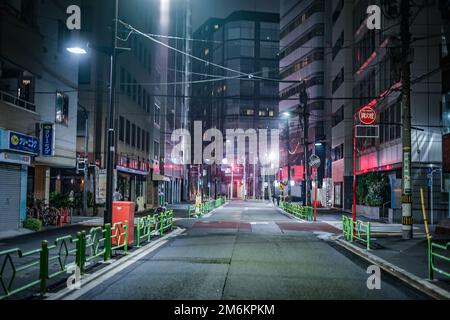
(48, 136)
(23, 143)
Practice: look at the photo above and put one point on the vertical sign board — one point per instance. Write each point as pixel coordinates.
(48, 136)
(446, 162)
(446, 153)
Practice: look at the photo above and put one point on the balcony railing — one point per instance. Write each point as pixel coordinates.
(15, 101)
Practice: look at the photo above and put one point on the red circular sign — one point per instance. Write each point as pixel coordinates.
(367, 115)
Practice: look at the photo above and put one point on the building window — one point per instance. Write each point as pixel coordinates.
(315, 7)
(156, 149)
(128, 134)
(144, 142)
(133, 135)
(147, 142)
(157, 114)
(338, 116)
(138, 140)
(338, 45)
(122, 129)
(338, 80)
(337, 153)
(62, 108)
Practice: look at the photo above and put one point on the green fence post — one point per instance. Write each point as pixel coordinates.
(148, 221)
(125, 242)
(171, 219)
(43, 267)
(161, 224)
(107, 243)
(138, 232)
(82, 251)
(353, 224)
(368, 235)
(78, 250)
(430, 260)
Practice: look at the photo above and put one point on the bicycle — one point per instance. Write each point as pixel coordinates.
(50, 216)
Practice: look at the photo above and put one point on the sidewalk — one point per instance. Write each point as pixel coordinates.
(405, 259)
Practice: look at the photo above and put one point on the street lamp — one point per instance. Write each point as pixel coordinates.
(77, 50)
(112, 51)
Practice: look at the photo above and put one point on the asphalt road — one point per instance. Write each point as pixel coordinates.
(247, 250)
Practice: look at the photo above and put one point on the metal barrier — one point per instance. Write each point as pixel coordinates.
(145, 228)
(84, 248)
(436, 251)
(306, 213)
(206, 207)
(358, 230)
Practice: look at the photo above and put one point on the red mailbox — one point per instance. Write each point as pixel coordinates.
(123, 211)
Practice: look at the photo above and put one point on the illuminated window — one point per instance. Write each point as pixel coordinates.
(62, 108)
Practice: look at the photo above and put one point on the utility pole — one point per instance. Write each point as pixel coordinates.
(86, 162)
(407, 223)
(288, 162)
(303, 99)
(111, 151)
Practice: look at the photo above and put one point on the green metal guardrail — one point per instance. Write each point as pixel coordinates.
(87, 247)
(437, 251)
(306, 213)
(358, 230)
(206, 207)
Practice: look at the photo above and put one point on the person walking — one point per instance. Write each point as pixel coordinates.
(117, 196)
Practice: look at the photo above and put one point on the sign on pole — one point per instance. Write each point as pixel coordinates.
(314, 161)
(367, 116)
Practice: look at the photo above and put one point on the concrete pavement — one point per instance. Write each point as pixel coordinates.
(247, 250)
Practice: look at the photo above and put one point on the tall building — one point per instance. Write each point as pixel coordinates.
(246, 42)
(178, 91)
(140, 99)
(38, 103)
(302, 59)
(366, 72)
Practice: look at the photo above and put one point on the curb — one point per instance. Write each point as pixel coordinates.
(113, 267)
(410, 279)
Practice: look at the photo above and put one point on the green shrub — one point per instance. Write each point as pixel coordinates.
(372, 189)
(32, 224)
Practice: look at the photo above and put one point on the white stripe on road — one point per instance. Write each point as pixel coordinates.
(96, 279)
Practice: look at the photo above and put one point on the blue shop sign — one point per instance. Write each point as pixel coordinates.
(47, 140)
(23, 143)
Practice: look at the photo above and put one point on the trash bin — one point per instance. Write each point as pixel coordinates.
(124, 211)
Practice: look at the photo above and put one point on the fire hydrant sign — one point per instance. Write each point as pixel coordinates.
(367, 116)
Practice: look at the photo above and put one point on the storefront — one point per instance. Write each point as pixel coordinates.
(16, 151)
(132, 177)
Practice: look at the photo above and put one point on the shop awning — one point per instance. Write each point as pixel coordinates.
(158, 177)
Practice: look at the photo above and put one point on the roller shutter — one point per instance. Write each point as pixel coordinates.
(9, 197)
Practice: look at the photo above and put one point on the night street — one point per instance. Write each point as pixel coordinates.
(188, 152)
(246, 250)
